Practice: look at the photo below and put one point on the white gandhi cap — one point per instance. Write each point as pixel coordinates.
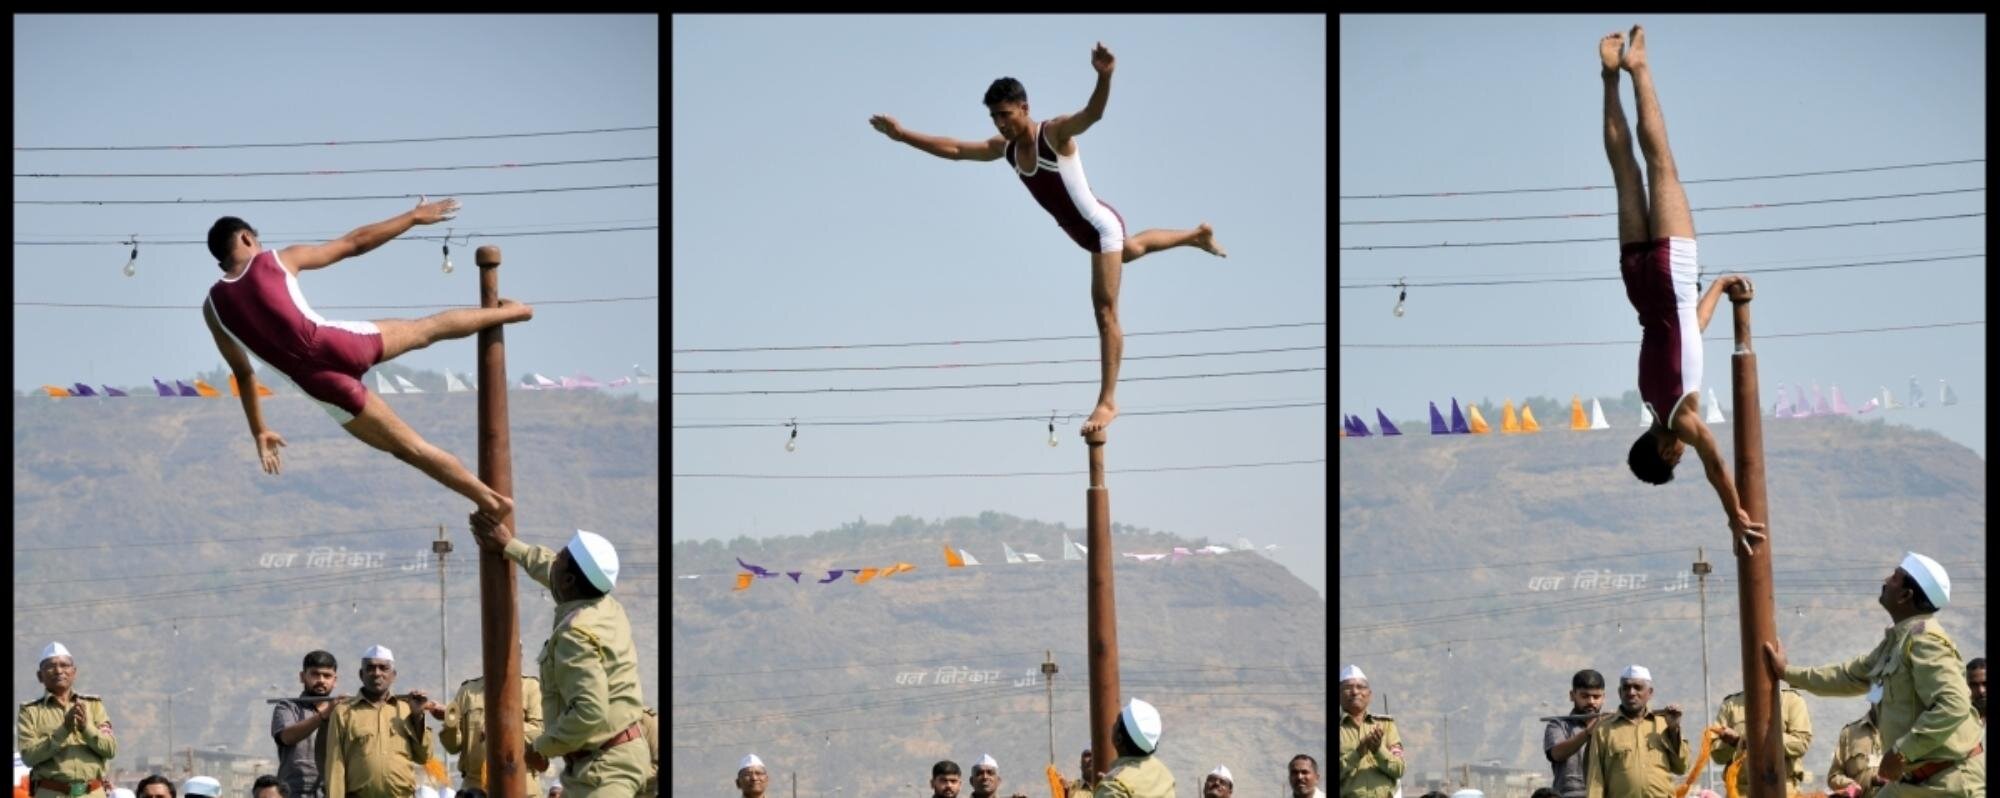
(53, 650)
(1142, 724)
(596, 557)
(1637, 672)
(986, 760)
(1930, 576)
(1352, 672)
(1468, 794)
(750, 761)
(1223, 771)
(202, 785)
(379, 652)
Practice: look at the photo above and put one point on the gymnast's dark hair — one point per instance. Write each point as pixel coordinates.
(1005, 90)
(222, 238)
(1646, 462)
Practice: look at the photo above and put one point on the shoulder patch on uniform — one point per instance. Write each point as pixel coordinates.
(1382, 717)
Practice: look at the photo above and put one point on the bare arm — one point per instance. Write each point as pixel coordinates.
(1732, 284)
(291, 735)
(1068, 127)
(949, 149)
(239, 363)
(1691, 430)
(1562, 751)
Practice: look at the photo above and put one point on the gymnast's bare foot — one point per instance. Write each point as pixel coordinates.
(1204, 237)
(1635, 55)
(1101, 417)
(1610, 48)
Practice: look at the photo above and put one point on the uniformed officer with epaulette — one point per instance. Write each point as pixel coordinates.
(590, 671)
(1930, 739)
(373, 742)
(464, 731)
(1732, 722)
(1637, 752)
(64, 737)
(1855, 757)
(1371, 751)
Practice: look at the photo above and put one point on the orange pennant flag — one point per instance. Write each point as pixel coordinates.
(951, 558)
(206, 389)
(262, 389)
(55, 392)
(1056, 787)
(865, 575)
(743, 581)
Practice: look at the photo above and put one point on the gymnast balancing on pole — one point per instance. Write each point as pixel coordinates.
(257, 306)
(1657, 260)
(1044, 155)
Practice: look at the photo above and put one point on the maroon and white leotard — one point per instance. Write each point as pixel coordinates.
(264, 312)
(1058, 185)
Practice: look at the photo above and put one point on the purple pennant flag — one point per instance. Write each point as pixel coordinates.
(761, 573)
(81, 389)
(831, 575)
(1437, 422)
(110, 391)
(1383, 421)
(1458, 419)
(185, 390)
(162, 387)
(794, 575)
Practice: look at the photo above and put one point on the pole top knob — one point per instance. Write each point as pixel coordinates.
(1096, 438)
(487, 256)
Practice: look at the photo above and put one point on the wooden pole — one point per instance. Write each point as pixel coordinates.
(1764, 728)
(499, 615)
(1103, 611)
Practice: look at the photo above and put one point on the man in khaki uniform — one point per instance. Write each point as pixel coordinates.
(1731, 722)
(465, 729)
(1636, 753)
(1855, 757)
(589, 669)
(1931, 740)
(1136, 773)
(1081, 787)
(373, 742)
(1371, 751)
(64, 737)
(651, 724)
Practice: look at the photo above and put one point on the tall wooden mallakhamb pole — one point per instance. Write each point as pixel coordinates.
(1103, 610)
(499, 615)
(1764, 729)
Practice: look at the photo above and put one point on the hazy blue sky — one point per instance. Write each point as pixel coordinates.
(138, 80)
(1442, 104)
(796, 223)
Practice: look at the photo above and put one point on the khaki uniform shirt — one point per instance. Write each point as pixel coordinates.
(1798, 736)
(1634, 758)
(1924, 711)
(1077, 789)
(371, 752)
(1136, 777)
(1369, 774)
(1855, 758)
(465, 728)
(590, 688)
(76, 755)
(651, 723)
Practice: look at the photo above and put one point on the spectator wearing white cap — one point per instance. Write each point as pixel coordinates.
(1371, 749)
(374, 741)
(1136, 773)
(65, 737)
(751, 777)
(1932, 741)
(589, 668)
(986, 778)
(1219, 783)
(1636, 753)
(1302, 773)
(201, 785)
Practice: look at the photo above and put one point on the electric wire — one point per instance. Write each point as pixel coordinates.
(880, 389)
(345, 198)
(1227, 467)
(1760, 336)
(405, 238)
(106, 306)
(1127, 358)
(337, 142)
(1684, 182)
(1091, 337)
(1607, 278)
(1036, 418)
(1691, 210)
(319, 172)
(1708, 234)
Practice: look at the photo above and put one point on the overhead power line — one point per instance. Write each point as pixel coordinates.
(1091, 337)
(246, 200)
(318, 172)
(1754, 205)
(1036, 418)
(1602, 239)
(1554, 344)
(995, 384)
(338, 143)
(1683, 182)
(1128, 359)
(467, 237)
(1605, 278)
(1014, 474)
(590, 301)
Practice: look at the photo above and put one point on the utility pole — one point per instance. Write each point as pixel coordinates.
(1701, 571)
(499, 612)
(1763, 728)
(1048, 680)
(1102, 631)
(795, 784)
(441, 547)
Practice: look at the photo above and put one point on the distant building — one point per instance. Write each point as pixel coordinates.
(1491, 778)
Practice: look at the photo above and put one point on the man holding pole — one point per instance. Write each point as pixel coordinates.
(1932, 743)
(465, 728)
(589, 668)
